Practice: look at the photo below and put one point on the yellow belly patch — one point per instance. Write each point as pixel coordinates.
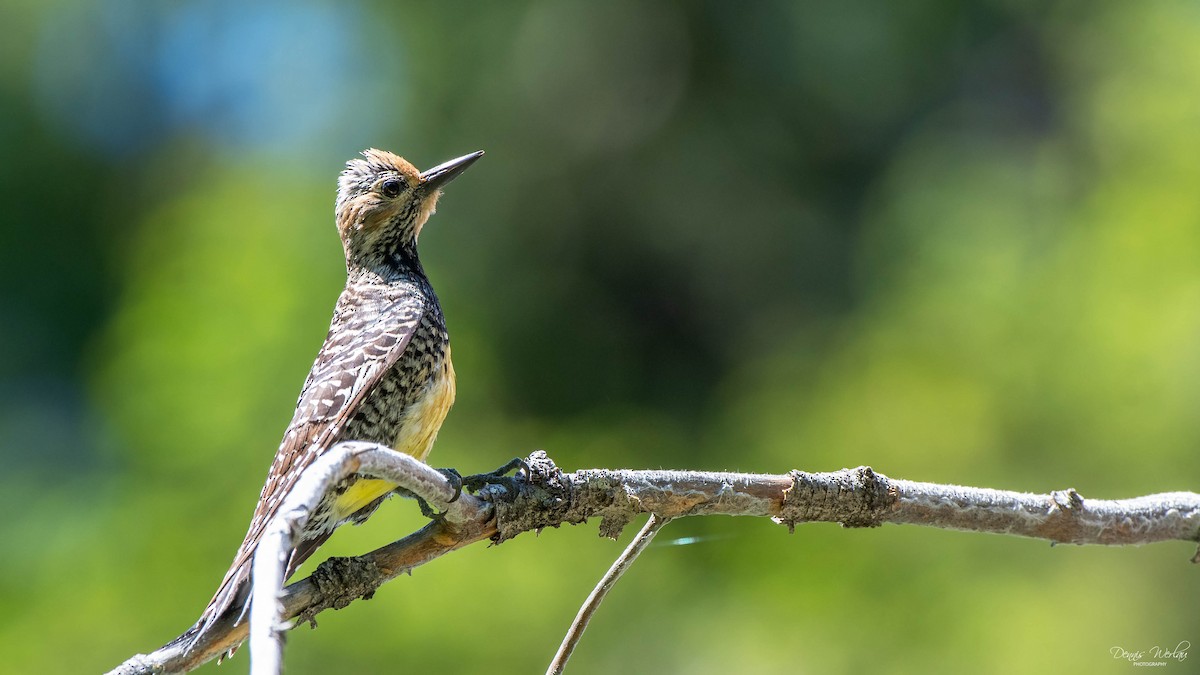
(422, 420)
(418, 430)
(363, 492)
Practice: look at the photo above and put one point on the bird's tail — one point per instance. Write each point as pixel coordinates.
(233, 596)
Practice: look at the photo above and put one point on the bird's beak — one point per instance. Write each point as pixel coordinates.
(443, 173)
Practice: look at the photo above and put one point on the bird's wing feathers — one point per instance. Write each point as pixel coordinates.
(366, 339)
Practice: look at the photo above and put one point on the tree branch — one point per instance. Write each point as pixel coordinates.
(860, 497)
(283, 532)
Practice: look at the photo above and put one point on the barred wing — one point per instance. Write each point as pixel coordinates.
(366, 338)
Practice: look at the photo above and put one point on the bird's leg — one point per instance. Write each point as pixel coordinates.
(500, 476)
(428, 511)
(474, 483)
(455, 479)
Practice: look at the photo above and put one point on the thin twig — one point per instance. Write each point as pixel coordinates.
(610, 578)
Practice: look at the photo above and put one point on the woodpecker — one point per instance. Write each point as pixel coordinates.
(384, 373)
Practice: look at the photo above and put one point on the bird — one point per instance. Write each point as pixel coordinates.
(384, 372)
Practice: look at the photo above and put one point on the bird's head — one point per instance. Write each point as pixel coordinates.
(383, 202)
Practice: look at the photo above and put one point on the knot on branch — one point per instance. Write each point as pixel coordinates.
(853, 497)
(542, 499)
(608, 495)
(1065, 500)
(341, 581)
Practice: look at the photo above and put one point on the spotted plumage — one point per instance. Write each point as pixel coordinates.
(384, 373)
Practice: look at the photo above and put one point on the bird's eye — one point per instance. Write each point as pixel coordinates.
(391, 188)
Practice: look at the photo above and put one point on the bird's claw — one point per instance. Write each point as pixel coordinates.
(455, 479)
(428, 511)
(500, 476)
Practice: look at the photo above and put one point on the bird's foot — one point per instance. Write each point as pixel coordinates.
(455, 479)
(475, 483)
(426, 510)
(500, 477)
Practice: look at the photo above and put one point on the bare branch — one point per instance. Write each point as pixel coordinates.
(283, 533)
(610, 578)
(858, 497)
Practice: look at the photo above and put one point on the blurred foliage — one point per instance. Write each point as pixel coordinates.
(957, 242)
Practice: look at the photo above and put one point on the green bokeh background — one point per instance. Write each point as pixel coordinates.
(957, 242)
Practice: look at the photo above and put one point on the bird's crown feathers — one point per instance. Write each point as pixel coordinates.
(360, 174)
